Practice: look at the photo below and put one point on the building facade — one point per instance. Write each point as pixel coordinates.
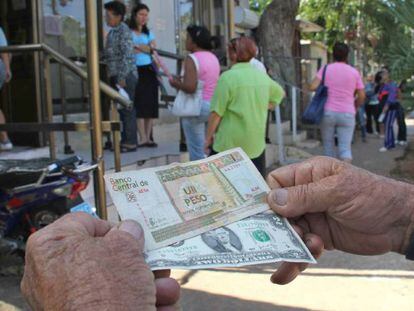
(61, 25)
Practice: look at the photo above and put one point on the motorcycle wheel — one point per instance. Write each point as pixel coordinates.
(45, 215)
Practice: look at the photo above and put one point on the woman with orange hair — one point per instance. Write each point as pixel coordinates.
(240, 104)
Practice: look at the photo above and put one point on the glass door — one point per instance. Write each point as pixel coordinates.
(184, 18)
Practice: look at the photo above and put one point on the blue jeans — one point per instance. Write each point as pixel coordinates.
(390, 117)
(362, 121)
(128, 116)
(195, 132)
(343, 124)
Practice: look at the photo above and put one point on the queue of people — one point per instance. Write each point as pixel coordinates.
(235, 107)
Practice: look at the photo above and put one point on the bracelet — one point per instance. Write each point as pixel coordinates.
(409, 254)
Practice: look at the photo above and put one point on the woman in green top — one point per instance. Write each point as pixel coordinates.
(240, 104)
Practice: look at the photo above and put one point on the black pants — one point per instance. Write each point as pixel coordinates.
(372, 112)
(128, 116)
(259, 162)
(402, 126)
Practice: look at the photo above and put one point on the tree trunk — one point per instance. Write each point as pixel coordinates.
(276, 37)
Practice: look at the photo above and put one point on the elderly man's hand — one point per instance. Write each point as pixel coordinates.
(82, 263)
(334, 205)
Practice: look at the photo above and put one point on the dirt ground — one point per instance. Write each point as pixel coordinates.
(338, 282)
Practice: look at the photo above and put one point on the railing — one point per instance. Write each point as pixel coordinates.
(105, 88)
(294, 99)
(50, 127)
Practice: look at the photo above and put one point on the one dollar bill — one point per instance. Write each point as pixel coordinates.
(179, 201)
(259, 239)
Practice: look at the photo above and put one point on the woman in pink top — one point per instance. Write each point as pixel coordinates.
(345, 93)
(199, 45)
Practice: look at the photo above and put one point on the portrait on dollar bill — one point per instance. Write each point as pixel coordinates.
(222, 240)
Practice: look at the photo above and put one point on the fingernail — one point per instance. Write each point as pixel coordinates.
(132, 228)
(280, 196)
(308, 242)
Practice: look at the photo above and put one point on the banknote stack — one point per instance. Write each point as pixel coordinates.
(205, 214)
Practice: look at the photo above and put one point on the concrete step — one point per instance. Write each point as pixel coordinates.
(308, 144)
(166, 132)
(300, 137)
(273, 131)
(292, 154)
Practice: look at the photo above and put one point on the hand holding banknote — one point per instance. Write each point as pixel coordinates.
(82, 263)
(338, 206)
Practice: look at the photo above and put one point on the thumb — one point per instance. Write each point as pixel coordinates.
(300, 200)
(134, 229)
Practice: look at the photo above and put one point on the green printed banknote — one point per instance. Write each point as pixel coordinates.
(258, 239)
(180, 201)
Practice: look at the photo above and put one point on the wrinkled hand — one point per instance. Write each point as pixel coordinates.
(82, 263)
(335, 205)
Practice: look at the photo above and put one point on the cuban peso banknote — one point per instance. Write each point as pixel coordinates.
(258, 239)
(180, 201)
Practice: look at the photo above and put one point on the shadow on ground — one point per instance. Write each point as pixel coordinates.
(195, 300)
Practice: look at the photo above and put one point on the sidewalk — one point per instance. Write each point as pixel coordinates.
(339, 281)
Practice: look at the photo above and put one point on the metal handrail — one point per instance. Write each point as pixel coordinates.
(105, 88)
(170, 55)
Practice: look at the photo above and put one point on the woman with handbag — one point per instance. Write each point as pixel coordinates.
(203, 67)
(240, 104)
(146, 98)
(343, 83)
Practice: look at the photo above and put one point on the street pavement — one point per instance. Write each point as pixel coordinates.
(339, 281)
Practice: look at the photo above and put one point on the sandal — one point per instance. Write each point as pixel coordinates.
(152, 144)
(125, 149)
(142, 145)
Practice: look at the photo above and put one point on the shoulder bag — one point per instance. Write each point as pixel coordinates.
(314, 111)
(189, 105)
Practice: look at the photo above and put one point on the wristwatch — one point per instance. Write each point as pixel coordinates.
(409, 254)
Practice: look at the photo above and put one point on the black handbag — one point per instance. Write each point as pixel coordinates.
(314, 111)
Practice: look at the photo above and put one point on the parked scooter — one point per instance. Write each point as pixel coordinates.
(33, 195)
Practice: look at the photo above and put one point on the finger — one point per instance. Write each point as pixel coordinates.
(318, 225)
(159, 274)
(303, 199)
(169, 308)
(303, 224)
(133, 229)
(316, 168)
(281, 177)
(82, 223)
(298, 230)
(167, 291)
(288, 271)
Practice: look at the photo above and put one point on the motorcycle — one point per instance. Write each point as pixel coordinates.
(34, 193)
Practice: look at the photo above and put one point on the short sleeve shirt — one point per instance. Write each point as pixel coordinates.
(3, 40)
(342, 81)
(142, 59)
(241, 99)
